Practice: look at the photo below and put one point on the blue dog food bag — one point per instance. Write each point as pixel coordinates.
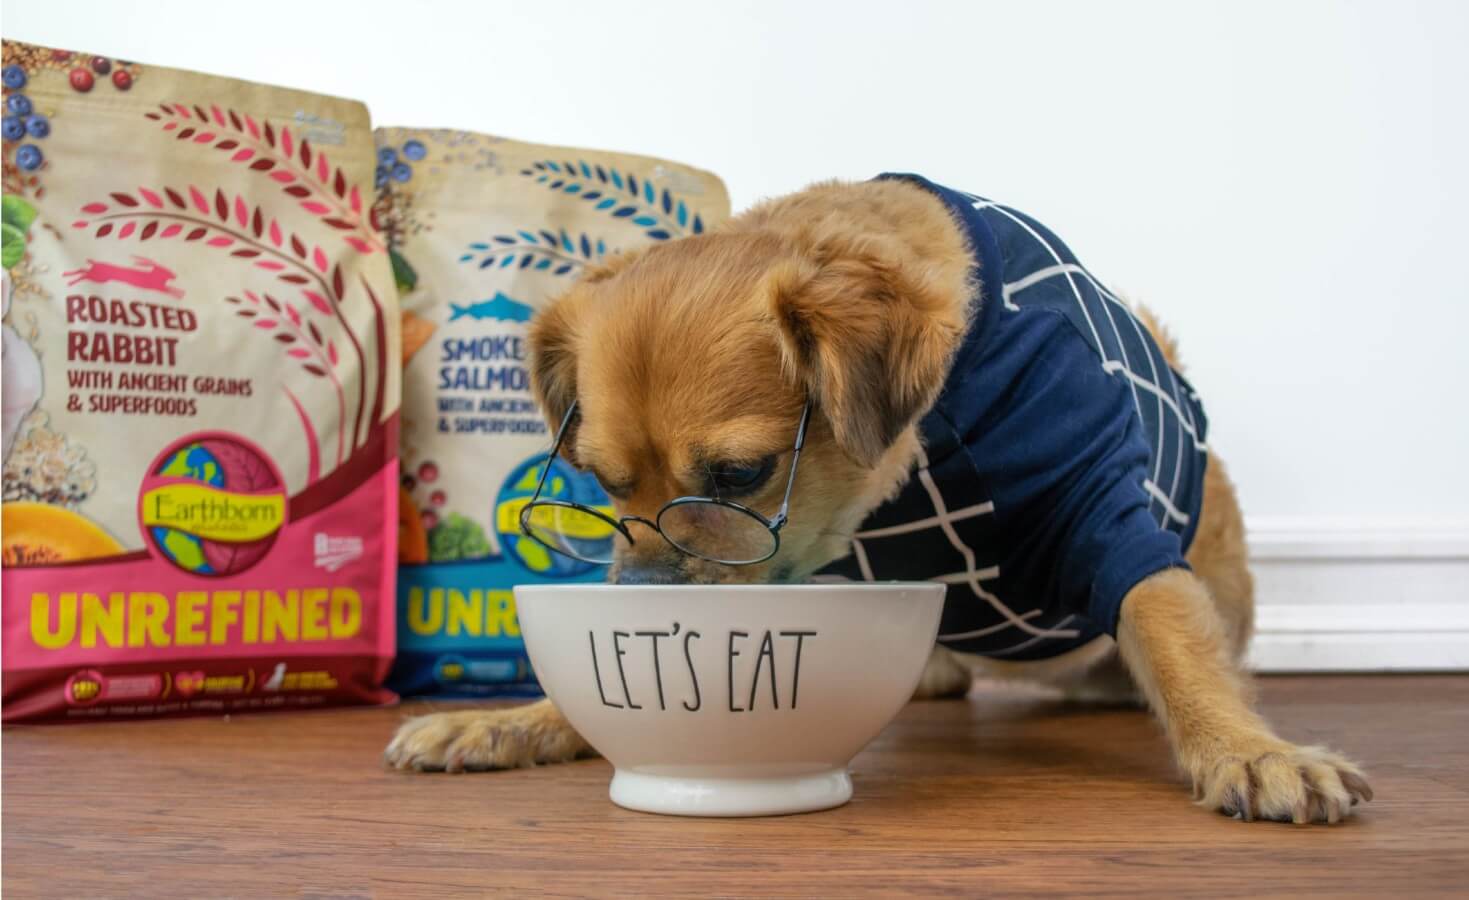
(482, 232)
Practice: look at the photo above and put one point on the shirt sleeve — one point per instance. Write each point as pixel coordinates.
(1063, 452)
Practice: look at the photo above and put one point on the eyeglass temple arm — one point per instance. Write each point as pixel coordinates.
(785, 503)
(555, 449)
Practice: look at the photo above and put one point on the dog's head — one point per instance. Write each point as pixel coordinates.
(690, 362)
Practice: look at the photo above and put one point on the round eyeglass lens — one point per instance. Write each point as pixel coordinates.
(578, 533)
(717, 532)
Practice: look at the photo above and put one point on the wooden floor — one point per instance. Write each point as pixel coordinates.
(1008, 793)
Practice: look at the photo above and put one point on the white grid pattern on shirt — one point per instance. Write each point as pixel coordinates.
(973, 576)
(1166, 391)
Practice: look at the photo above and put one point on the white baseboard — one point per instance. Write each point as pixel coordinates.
(1355, 596)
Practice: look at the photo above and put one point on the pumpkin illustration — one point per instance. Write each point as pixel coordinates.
(36, 534)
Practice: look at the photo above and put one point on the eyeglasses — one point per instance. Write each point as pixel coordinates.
(707, 528)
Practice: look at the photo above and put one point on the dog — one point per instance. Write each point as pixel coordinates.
(979, 400)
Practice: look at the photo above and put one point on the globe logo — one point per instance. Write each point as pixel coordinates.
(212, 504)
(564, 483)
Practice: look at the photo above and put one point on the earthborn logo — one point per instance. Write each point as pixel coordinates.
(212, 504)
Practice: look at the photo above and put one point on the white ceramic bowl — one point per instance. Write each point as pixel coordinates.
(729, 700)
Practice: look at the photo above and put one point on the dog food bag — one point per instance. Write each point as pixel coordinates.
(201, 388)
(483, 231)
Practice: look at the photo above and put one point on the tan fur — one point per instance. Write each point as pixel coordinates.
(856, 296)
(472, 740)
(945, 675)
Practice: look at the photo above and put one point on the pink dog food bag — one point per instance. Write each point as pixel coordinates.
(201, 390)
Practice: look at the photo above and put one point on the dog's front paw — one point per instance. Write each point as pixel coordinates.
(482, 739)
(1284, 784)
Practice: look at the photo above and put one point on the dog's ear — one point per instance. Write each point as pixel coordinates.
(869, 334)
(552, 343)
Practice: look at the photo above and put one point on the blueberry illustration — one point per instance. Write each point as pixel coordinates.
(38, 125)
(18, 105)
(29, 157)
(402, 172)
(14, 77)
(386, 156)
(381, 178)
(415, 150)
(14, 128)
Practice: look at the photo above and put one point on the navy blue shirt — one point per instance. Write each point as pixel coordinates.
(1063, 462)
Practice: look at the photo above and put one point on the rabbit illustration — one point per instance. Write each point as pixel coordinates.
(148, 276)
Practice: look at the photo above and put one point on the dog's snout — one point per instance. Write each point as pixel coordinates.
(649, 575)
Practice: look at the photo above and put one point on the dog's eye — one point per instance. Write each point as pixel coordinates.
(613, 488)
(739, 478)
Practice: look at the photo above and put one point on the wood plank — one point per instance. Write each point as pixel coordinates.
(1010, 792)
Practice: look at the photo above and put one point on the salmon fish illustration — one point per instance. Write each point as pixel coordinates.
(500, 308)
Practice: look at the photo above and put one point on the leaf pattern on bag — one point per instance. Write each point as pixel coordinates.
(557, 253)
(304, 172)
(659, 212)
(231, 222)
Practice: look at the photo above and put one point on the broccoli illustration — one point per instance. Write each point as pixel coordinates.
(457, 537)
(18, 216)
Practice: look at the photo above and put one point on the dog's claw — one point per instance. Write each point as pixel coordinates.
(1357, 785)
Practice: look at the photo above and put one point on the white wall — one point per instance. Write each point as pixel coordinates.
(1285, 182)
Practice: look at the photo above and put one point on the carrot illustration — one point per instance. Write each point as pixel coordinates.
(412, 538)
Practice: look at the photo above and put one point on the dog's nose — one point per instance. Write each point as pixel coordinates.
(648, 575)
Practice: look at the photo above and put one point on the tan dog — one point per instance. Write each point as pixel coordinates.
(857, 296)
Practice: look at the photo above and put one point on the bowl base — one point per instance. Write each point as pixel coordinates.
(682, 796)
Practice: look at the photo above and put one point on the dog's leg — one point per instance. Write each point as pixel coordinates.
(1176, 646)
(1108, 683)
(475, 740)
(945, 676)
